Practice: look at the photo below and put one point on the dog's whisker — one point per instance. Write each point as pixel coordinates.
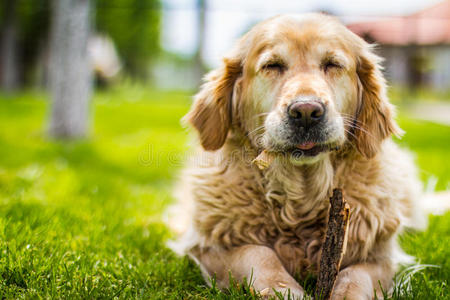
(255, 130)
(261, 114)
(350, 142)
(352, 124)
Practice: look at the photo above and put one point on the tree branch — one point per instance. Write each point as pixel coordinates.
(333, 248)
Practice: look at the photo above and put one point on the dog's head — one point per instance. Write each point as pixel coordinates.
(300, 85)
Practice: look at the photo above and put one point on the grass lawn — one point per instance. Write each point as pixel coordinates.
(83, 220)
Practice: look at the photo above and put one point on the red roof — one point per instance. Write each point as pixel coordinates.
(426, 27)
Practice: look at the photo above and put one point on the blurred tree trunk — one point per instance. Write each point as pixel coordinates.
(199, 66)
(70, 70)
(9, 72)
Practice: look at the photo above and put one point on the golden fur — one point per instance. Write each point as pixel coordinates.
(270, 224)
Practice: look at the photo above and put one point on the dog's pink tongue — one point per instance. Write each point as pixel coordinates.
(306, 146)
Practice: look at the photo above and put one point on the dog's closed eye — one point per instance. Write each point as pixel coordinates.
(330, 64)
(278, 66)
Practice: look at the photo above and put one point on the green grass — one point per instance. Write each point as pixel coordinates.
(83, 219)
(402, 94)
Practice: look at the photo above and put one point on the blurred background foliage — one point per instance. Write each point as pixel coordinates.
(171, 43)
(133, 26)
(32, 21)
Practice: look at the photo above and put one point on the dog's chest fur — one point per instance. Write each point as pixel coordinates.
(285, 208)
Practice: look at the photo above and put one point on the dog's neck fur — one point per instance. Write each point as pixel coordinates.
(307, 185)
(303, 184)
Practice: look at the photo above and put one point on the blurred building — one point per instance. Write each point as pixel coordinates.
(416, 47)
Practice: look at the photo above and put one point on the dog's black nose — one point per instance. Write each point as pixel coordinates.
(306, 113)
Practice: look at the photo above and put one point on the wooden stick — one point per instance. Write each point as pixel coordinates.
(264, 159)
(333, 248)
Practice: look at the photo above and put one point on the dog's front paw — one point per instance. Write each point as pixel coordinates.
(350, 288)
(287, 291)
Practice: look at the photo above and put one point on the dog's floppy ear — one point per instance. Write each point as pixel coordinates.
(211, 111)
(375, 118)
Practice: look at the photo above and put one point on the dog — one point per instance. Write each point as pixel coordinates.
(312, 93)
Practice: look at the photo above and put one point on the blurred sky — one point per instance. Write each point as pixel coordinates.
(226, 20)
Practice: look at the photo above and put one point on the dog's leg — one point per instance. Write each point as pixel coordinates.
(258, 263)
(362, 280)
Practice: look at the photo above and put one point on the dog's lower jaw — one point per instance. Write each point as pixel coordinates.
(307, 160)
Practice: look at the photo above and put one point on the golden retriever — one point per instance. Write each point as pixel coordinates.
(310, 91)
